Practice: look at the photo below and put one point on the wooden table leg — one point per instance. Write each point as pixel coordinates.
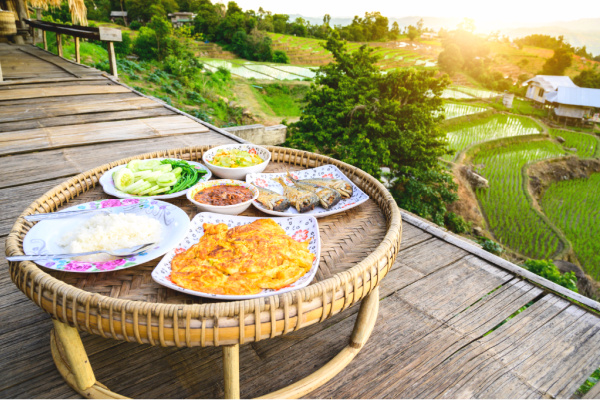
(231, 371)
(365, 322)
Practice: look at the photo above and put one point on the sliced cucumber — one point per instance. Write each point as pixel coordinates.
(159, 190)
(134, 186)
(142, 174)
(150, 189)
(148, 164)
(122, 178)
(168, 179)
(164, 168)
(177, 171)
(153, 176)
(133, 165)
(139, 190)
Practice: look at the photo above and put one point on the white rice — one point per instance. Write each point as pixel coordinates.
(111, 232)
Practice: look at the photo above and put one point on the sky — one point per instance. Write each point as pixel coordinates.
(532, 11)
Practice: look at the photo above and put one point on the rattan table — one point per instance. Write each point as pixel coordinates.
(358, 249)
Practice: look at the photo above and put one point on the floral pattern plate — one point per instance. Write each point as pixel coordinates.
(324, 171)
(300, 228)
(108, 184)
(43, 237)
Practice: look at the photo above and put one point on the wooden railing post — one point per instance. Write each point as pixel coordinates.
(59, 44)
(77, 55)
(44, 39)
(112, 59)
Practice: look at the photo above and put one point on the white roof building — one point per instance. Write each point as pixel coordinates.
(540, 85)
(574, 102)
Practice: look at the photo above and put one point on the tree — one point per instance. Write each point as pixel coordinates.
(420, 25)
(326, 19)
(588, 78)
(467, 24)
(356, 114)
(450, 59)
(558, 63)
(162, 29)
(395, 31)
(412, 32)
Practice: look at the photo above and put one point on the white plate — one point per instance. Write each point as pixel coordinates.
(300, 228)
(108, 185)
(43, 237)
(324, 171)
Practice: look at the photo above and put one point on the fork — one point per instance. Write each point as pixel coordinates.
(119, 253)
(67, 214)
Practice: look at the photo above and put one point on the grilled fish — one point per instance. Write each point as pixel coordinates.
(327, 196)
(303, 200)
(272, 200)
(341, 186)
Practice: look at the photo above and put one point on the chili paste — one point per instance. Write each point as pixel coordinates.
(223, 195)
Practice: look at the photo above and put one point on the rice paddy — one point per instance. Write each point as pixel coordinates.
(574, 207)
(455, 94)
(510, 216)
(453, 110)
(586, 145)
(495, 127)
(249, 69)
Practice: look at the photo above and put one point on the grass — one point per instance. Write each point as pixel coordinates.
(510, 216)
(494, 127)
(574, 206)
(280, 100)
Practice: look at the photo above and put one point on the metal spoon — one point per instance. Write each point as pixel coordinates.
(119, 253)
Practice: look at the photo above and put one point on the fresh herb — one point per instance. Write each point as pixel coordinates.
(189, 175)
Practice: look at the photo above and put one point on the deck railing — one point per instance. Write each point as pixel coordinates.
(109, 35)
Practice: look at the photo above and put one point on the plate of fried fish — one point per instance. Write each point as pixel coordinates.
(319, 192)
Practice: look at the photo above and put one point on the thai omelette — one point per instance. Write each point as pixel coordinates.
(242, 260)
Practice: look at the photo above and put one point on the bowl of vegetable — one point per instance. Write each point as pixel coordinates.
(223, 196)
(235, 161)
(158, 178)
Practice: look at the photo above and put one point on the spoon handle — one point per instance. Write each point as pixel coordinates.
(50, 256)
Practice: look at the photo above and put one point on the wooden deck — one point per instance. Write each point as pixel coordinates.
(449, 323)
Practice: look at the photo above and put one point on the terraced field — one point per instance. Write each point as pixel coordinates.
(453, 110)
(265, 71)
(510, 217)
(495, 127)
(574, 207)
(586, 145)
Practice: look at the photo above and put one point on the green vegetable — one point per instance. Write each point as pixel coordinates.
(123, 178)
(189, 175)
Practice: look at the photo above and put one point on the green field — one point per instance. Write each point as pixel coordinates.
(510, 216)
(453, 110)
(586, 145)
(495, 127)
(574, 206)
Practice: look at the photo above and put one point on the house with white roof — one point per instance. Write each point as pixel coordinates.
(574, 102)
(541, 85)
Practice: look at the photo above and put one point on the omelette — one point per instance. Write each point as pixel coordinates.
(242, 260)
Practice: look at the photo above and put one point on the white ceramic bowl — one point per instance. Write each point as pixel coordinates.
(234, 209)
(237, 173)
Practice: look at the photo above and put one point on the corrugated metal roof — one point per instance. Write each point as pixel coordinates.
(575, 96)
(551, 82)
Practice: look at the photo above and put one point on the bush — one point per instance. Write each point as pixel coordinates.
(123, 47)
(547, 269)
(135, 25)
(145, 44)
(280, 57)
(491, 246)
(456, 223)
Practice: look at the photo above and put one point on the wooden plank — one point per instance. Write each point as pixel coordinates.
(60, 91)
(25, 84)
(101, 132)
(106, 103)
(71, 161)
(71, 120)
(68, 100)
(14, 82)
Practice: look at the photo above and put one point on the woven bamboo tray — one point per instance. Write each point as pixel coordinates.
(358, 249)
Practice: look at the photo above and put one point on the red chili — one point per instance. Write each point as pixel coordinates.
(223, 195)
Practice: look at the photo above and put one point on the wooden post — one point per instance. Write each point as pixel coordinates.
(45, 40)
(76, 356)
(112, 59)
(231, 371)
(59, 44)
(37, 37)
(77, 55)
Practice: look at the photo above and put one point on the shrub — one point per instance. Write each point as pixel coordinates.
(145, 44)
(491, 246)
(123, 47)
(135, 25)
(547, 269)
(456, 223)
(280, 57)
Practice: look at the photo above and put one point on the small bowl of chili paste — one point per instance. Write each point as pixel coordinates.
(224, 196)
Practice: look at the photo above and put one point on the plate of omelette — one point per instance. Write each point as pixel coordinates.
(229, 257)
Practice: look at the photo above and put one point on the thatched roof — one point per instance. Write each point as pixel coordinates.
(76, 7)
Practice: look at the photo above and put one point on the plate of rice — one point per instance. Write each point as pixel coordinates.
(152, 221)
